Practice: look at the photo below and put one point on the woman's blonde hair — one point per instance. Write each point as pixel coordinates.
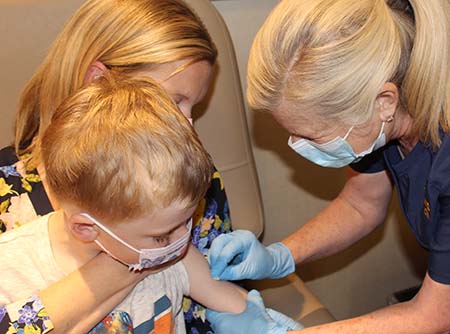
(126, 35)
(120, 148)
(333, 56)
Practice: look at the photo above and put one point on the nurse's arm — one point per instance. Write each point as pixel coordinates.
(427, 313)
(357, 210)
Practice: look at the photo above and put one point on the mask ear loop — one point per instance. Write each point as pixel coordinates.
(106, 230)
(110, 254)
(348, 132)
(382, 128)
(390, 119)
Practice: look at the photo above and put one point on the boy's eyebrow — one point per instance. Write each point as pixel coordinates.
(169, 231)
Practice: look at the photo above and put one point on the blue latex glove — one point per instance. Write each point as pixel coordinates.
(239, 255)
(255, 319)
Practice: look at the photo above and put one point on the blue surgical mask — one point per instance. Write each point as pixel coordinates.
(148, 258)
(335, 153)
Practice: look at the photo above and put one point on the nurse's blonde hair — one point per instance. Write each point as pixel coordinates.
(331, 58)
(126, 35)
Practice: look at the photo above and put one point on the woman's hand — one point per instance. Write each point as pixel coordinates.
(255, 319)
(239, 255)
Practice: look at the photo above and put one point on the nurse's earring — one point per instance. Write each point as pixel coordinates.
(384, 106)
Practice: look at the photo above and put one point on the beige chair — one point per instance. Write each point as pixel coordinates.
(220, 121)
(222, 125)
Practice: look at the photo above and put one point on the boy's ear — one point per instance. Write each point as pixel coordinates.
(96, 70)
(82, 228)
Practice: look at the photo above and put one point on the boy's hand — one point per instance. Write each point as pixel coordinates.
(255, 319)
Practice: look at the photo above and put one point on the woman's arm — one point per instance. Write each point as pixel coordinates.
(359, 208)
(427, 313)
(79, 301)
(220, 296)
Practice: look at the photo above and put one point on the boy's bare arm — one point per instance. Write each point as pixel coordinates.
(219, 296)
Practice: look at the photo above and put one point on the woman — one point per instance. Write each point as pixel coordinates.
(162, 39)
(365, 83)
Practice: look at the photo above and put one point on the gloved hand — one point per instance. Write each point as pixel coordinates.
(239, 255)
(283, 320)
(255, 319)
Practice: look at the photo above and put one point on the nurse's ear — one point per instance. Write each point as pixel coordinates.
(82, 228)
(387, 102)
(95, 71)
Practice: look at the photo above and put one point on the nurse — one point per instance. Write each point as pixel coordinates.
(362, 83)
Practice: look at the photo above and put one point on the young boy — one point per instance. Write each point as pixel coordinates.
(127, 171)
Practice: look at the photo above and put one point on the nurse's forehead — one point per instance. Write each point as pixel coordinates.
(303, 126)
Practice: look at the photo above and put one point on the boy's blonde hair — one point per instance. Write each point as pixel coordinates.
(331, 58)
(126, 35)
(120, 148)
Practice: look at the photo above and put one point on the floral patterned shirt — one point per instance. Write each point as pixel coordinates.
(23, 198)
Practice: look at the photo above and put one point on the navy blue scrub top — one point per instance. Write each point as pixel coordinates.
(422, 179)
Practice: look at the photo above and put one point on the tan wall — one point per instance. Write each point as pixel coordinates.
(19, 57)
(293, 190)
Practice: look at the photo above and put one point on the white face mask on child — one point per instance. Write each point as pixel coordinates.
(148, 258)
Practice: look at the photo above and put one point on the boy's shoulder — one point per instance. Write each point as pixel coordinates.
(27, 261)
(27, 247)
(35, 229)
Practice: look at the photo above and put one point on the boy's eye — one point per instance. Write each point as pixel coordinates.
(163, 239)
